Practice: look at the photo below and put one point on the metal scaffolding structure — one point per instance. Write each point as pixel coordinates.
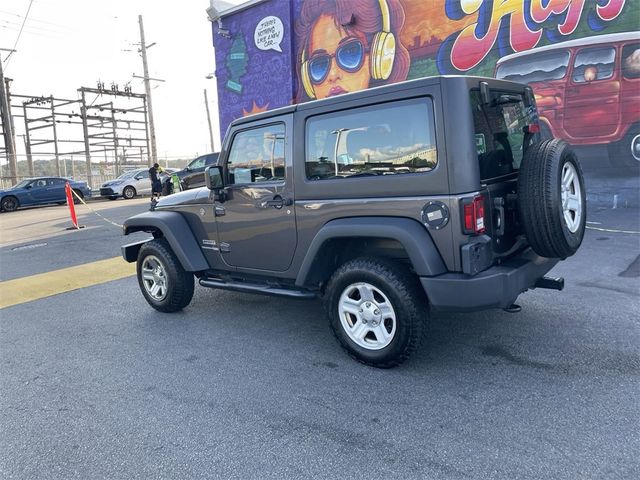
(112, 126)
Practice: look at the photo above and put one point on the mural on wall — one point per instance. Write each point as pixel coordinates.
(582, 57)
(348, 46)
(254, 61)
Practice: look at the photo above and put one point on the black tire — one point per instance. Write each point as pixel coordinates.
(552, 229)
(9, 204)
(128, 193)
(403, 293)
(76, 200)
(178, 284)
(626, 152)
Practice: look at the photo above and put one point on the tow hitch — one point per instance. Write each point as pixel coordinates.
(550, 283)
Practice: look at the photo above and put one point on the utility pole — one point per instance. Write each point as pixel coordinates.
(206, 104)
(6, 127)
(147, 87)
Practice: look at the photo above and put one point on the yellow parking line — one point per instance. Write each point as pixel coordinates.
(27, 289)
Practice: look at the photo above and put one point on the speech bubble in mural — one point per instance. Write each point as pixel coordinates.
(268, 34)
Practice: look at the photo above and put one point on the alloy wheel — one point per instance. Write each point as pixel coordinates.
(154, 278)
(572, 207)
(367, 316)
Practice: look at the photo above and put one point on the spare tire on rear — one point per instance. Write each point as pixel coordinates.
(552, 199)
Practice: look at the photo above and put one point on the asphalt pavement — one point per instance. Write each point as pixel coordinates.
(96, 384)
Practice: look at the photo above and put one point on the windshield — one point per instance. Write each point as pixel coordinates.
(128, 174)
(22, 184)
(538, 67)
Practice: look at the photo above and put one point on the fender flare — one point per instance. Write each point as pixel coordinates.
(413, 236)
(176, 231)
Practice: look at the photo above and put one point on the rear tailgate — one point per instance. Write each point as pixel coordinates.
(505, 125)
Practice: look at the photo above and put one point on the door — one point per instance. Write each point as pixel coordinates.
(55, 187)
(256, 222)
(39, 192)
(591, 103)
(142, 182)
(195, 171)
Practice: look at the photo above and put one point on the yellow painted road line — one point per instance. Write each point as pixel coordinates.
(42, 285)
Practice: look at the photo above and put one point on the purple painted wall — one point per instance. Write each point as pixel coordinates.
(242, 67)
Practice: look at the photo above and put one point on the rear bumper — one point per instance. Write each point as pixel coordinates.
(496, 287)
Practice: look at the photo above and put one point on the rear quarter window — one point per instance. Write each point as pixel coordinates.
(388, 139)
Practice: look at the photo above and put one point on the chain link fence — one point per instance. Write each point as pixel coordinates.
(75, 167)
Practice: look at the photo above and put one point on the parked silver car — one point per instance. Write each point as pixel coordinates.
(129, 184)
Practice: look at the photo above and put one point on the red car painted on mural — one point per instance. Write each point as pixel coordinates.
(587, 91)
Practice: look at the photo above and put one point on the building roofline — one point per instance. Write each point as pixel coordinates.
(216, 13)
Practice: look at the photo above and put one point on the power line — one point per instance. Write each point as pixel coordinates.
(19, 33)
(16, 25)
(36, 20)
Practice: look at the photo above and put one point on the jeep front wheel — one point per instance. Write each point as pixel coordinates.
(377, 311)
(166, 286)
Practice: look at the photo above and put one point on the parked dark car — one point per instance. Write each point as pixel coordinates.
(40, 191)
(192, 176)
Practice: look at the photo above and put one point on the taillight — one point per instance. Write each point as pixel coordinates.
(473, 215)
(532, 128)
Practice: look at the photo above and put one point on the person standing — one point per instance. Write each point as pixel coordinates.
(156, 184)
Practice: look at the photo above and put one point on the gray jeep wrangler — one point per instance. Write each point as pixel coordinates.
(433, 194)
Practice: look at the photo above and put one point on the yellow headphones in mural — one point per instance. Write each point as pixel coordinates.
(382, 56)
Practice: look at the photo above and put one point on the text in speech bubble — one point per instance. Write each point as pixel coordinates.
(268, 34)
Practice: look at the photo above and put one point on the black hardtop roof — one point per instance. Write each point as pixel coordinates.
(418, 82)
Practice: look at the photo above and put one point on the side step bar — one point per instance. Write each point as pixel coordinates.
(256, 288)
(550, 283)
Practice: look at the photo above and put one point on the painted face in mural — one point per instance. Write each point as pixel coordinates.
(338, 62)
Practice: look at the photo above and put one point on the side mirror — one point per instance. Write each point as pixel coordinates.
(213, 178)
(215, 182)
(28, 186)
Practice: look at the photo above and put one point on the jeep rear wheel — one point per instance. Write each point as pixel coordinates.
(163, 282)
(377, 311)
(552, 199)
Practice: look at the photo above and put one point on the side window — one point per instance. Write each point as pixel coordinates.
(197, 163)
(631, 61)
(257, 155)
(537, 67)
(40, 183)
(56, 182)
(387, 139)
(592, 64)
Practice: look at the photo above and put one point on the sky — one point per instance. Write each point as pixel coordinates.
(68, 44)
